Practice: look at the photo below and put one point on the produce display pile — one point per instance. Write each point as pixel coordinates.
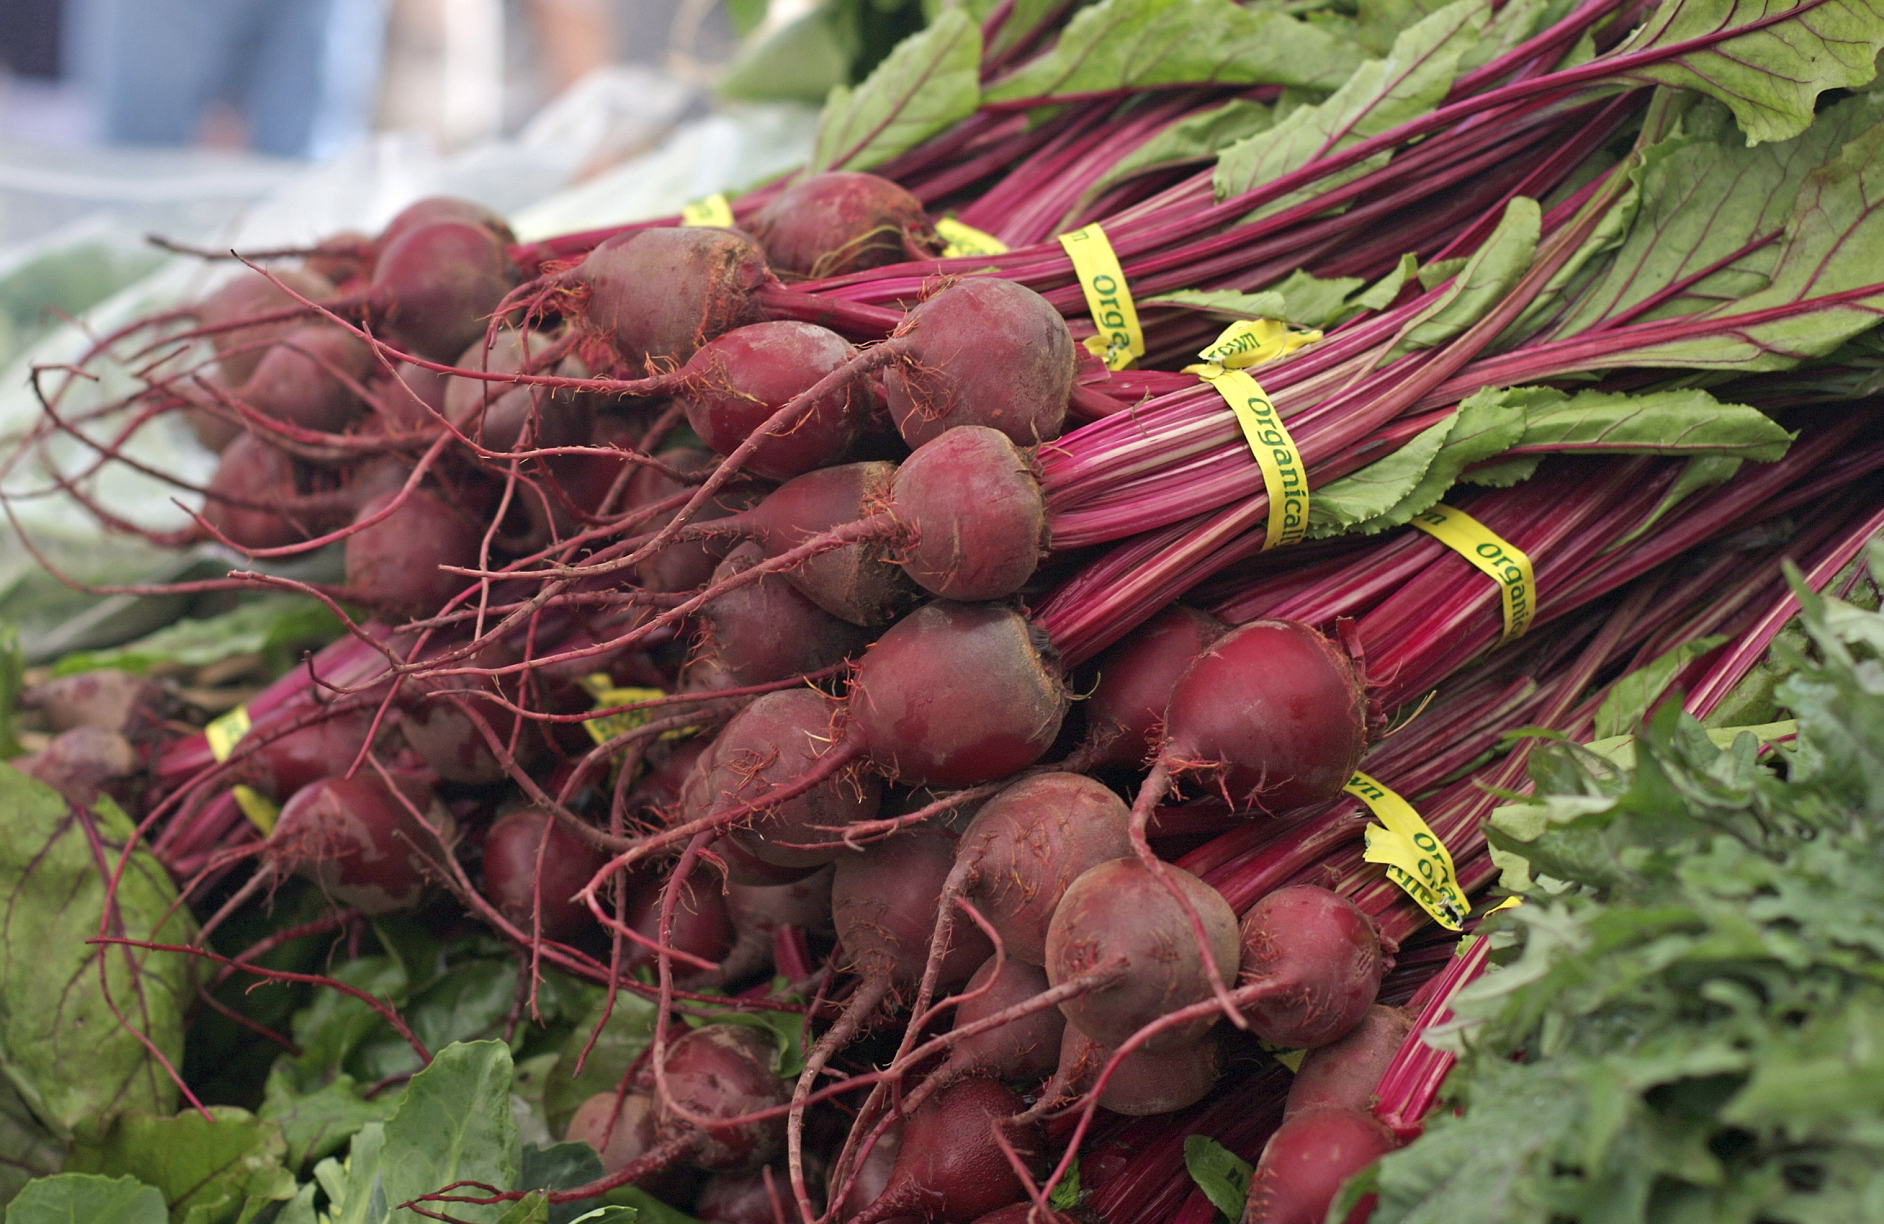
(994, 679)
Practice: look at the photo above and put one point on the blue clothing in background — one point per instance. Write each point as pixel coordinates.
(304, 74)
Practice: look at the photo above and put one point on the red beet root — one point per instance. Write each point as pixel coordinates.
(250, 295)
(282, 766)
(433, 209)
(842, 221)
(516, 857)
(257, 500)
(1306, 1160)
(884, 903)
(854, 583)
(1316, 961)
(307, 378)
(1024, 1049)
(1279, 708)
(984, 351)
(724, 1072)
(503, 417)
(767, 630)
(657, 295)
(770, 743)
(950, 1167)
(955, 694)
(1346, 1072)
(736, 382)
(972, 500)
(1117, 912)
(358, 841)
(394, 563)
(701, 926)
(1029, 843)
(1137, 677)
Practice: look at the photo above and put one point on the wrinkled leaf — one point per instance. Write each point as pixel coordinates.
(629, 1029)
(453, 1124)
(469, 1003)
(12, 680)
(1629, 698)
(356, 1192)
(31, 1150)
(1133, 44)
(1221, 1174)
(1380, 95)
(929, 82)
(1772, 75)
(74, 1065)
(80, 1198)
(1492, 270)
(277, 627)
(319, 1123)
(210, 1172)
(1679, 422)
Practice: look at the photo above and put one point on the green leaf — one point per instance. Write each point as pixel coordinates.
(531, 1209)
(1380, 95)
(787, 1030)
(1221, 1174)
(277, 627)
(1504, 474)
(1629, 699)
(1196, 137)
(1302, 299)
(61, 1046)
(1267, 304)
(1492, 270)
(1685, 421)
(1382, 292)
(210, 1170)
(929, 82)
(629, 1029)
(800, 62)
(319, 1123)
(1135, 44)
(471, 1001)
(1770, 75)
(32, 1150)
(1065, 1195)
(333, 1025)
(79, 1198)
(1700, 472)
(355, 1188)
(12, 680)
(453, 1124)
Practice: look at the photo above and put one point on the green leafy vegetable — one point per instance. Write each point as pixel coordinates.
(319, 1123)
(277, 627)
(211, 1171)
(72, 1062)
(1302, 299)
(1196, 137)
(1692, 1027)
(1490, 273)
(32, 1150)
(80, 1198)
(629, 1029)
(12, 680)
(1629, 699)
(1128, 44)
(453, 1124)
(927, 83)
(1380, 95)
(1221, 1174)
(1772, 74)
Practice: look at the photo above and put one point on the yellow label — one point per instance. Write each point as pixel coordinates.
(1120, 340)
(713, 211)
(224, 732)
(967, 240)
(261, 810)
(1414, 856)
(1508, 903)
(1502, 562)
(607, 727)
(1284, 475)
(1252, 342)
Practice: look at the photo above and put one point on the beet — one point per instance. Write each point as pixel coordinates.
(950, 1167)
(1346, 1072)
(855, 583)
(446, 738)
(620, 1127)
(769, 743)
(843, 221)
(356, 839)
(256, 497)
(513, 849)
(759, 911)
(973, 501)
(1278, 707)
(884, 903)
(307, 378)
(1306, 1160)
(1144, 1083)
(1023, 1049)
(1118, 911)
(1137, 677)
(106, 698)
(1024, 1213)
(1317, 962)
(343, 258)
(658, 294)
(249, 295)
(504, 417)
(683, 566)
(82, 762)
(394, 563)
(1029, 843)
(433, 209)
(281, 766)
(984, 351)
(954, 694)
(724, 1071)
(701, 925)
(743, 1198)
(437, 284)
(768, 630)
(737, 381)
(408, 401)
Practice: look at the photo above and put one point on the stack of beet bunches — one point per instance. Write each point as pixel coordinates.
(789, 618)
